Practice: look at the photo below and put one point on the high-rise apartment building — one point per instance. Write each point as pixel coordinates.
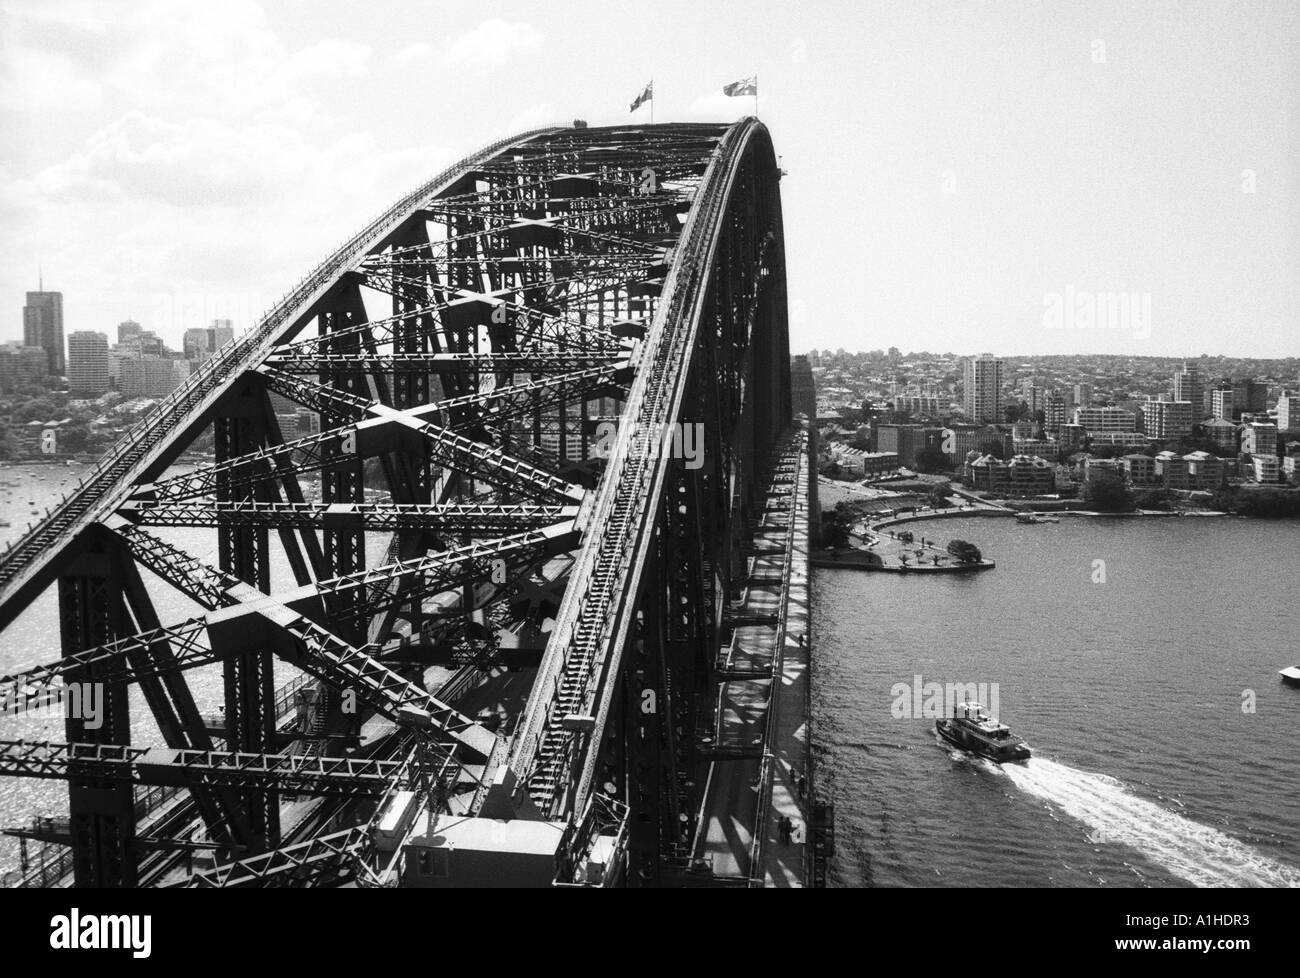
(983, 388)
(1167, 420)
(1188, 387)
(87, 363)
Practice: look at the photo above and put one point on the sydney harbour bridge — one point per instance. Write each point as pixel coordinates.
(525, 605)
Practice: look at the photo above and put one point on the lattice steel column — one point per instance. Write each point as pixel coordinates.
(92, 611)
(243, 550)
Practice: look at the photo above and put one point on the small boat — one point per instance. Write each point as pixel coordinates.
(1290, 675)
(1036, 518)
(972, 729)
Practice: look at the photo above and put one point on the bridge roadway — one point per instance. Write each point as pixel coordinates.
(760, 738)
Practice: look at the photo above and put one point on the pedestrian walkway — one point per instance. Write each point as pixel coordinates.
(759, 743)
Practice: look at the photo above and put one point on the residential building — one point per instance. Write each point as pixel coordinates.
(1167, 420)
(87, 364)
(1096, 419)
(1259, 438)
(1222, 403)
(1223, 433)
(982, 388)
(1139, 469)
(1264, 469)
(1187, 387)
(1054, 412)
(1172, 471)
(1206, 471)
(1288, 412)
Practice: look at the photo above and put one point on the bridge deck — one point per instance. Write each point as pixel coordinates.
(760, 753)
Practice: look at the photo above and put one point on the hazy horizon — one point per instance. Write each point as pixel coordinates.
(1111, 178)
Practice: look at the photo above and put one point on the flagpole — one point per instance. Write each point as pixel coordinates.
(756, 96)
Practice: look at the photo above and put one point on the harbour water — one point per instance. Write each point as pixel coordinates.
(1147, 771)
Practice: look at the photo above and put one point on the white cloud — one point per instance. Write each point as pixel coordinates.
(492, 44)
(412, 53)
(219, 172)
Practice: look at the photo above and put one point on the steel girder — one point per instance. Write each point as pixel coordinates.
(466, 342)
(313, 775)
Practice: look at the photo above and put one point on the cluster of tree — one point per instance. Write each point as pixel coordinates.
(1106, 492)
(966, 553)
(932, 461)
(836, 527)
(1263, 501)
(938, 495)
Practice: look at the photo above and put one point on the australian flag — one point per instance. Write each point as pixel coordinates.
(644, 97)
(746, 86)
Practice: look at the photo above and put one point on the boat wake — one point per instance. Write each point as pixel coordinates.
(1195, 852)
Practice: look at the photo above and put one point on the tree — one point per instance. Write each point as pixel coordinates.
(1106, 492)
(993, 447)
(938, 495)
(932, 460)
(837, 523)
(966, 553)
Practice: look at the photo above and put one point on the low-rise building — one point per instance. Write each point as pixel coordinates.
(1265, 469)
(1140, 470)
(1172, 471)
(1206, 471)
(1222, 433)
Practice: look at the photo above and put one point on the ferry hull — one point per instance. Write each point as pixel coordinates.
(972, 745)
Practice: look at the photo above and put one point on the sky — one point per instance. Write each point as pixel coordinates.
(961, 177)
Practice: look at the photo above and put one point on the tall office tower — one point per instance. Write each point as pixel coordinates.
(128, 330)
(1187, 387)
(1082, 395)
(983, 387)
(43, 327)
(87, 363)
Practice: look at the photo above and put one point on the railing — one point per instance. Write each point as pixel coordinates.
(757, 874)
(599, 574)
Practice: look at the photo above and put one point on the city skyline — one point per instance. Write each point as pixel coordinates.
(1134, 197)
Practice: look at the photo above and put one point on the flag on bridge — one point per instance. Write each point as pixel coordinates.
(646, 96)
(746, 86)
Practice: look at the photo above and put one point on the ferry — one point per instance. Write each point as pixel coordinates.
(1036, 518)
(972, 729)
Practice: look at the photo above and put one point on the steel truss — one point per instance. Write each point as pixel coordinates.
(486, 373)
